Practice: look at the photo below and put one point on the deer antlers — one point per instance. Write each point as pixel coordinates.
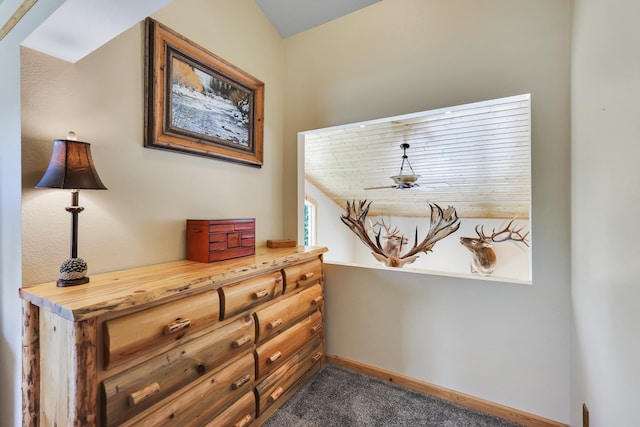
(507, 233)
(484, 258)
(443, 223)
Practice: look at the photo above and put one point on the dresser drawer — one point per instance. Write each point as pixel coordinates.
(301, 275)
(134, 390)
(244, 295)
(240, 414)
(276, 351)
(127, 336)
(203, 400)
(281, 315)
(275, 386)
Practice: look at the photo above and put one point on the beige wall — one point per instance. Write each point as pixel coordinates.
(605, 210)
(503, 342)
(140, 219)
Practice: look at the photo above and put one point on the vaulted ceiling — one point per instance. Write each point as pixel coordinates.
(78, 27)
(290, 17)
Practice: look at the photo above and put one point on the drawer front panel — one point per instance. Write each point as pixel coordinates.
(240, 414)
(134, 390)
(281, 315)
(301, 275)
(273, 387)
(273, 353)
(130, 335)
(203, 400)
(243, 295)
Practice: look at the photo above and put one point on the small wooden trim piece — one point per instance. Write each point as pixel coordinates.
(30, 364)
(241, 341)
(240, 381)
(176, 326)
(275, 323)
(244, 421)
(260, 294)
(502, 411)
(275, 395)
(284, 243)
(275, 356)
(16, 17)
(144, 393)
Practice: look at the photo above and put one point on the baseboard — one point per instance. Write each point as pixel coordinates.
(505, 412)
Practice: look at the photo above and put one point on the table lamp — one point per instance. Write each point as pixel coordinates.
(71, 167)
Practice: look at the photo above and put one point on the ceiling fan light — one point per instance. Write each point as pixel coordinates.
(405, 179)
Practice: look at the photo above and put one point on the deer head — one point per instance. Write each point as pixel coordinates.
(393, 240)
(443, 223)
(484, 259)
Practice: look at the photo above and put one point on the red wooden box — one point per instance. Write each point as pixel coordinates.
(210, 240)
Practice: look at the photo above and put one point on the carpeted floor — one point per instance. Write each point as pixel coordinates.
(338, 397)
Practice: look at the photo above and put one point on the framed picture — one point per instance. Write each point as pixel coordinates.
(198, 103)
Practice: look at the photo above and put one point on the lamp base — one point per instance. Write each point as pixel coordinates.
(73, 271)
(72, 282)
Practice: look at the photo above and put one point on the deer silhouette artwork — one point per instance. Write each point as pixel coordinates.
(484, 259)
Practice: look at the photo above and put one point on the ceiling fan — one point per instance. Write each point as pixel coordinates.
(402, 181)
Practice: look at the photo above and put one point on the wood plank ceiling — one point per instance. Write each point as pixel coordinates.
(475, 157)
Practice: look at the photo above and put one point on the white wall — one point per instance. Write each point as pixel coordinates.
(605, 211)
(332, 233)
(502, 342)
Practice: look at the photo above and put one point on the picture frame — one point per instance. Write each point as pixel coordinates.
(197, 103)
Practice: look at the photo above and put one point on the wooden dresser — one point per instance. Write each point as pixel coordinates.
(181, 343)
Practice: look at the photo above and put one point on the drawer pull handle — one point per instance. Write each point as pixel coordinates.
(244, 421)
(176, 326)
(317, 300)
(196, 230)
(241, 341)
(307, 276)
(275, 395)
(241, 381)
(275, 323)
(144, 393)
(316, 327)
(275, 356)
(317, 356)
(260, 294)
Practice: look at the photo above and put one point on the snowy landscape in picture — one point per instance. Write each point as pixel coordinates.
(207, 113)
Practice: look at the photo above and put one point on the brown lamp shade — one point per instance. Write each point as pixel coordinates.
(71, 167)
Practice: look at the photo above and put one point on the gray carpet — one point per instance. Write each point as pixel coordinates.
(337, 397)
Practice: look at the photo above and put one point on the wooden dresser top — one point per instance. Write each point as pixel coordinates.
(125, 289)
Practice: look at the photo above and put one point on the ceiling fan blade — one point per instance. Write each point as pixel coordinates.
(380, 188)
(435, 184)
